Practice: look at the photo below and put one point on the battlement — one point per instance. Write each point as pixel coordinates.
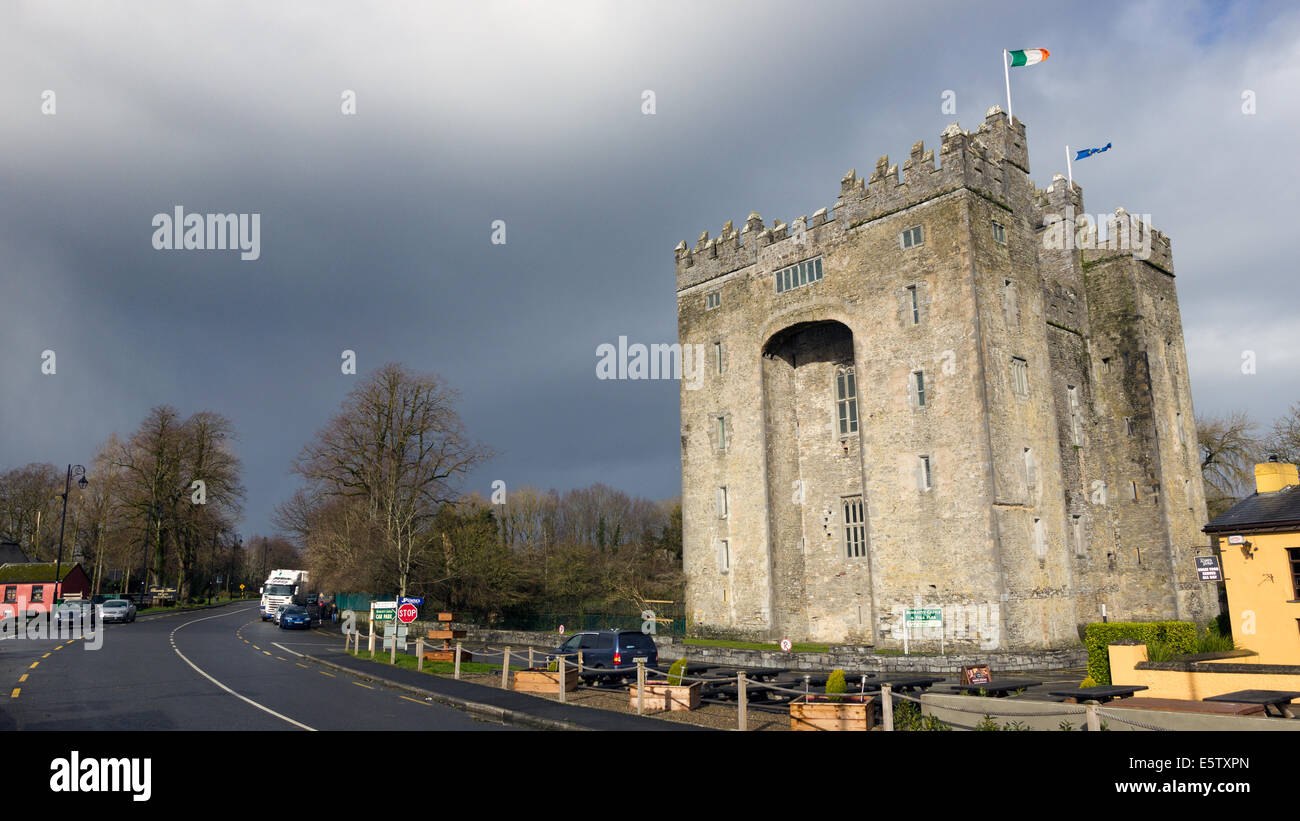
(977, 162)
(1127, 234)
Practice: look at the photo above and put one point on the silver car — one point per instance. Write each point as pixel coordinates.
(118, 610)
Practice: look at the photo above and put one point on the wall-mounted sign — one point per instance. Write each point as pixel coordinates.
(1236, 539)
(924, 615)
(1208, 569)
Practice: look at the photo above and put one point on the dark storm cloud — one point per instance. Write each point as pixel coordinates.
(375, 228)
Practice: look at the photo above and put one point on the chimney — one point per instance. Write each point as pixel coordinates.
(1273, 475)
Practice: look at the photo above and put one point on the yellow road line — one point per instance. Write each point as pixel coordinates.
(282, 658)
(34, 663)
(359, 684)
(417, 701)
(47, 655)
(255, 647)
(15, 693)
(60, 647)
(331, 675)
(23, 678)
(305, 667)
(268, 652)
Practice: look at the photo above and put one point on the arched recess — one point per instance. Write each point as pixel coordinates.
(817, 507)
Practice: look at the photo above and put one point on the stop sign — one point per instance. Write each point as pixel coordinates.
(407, 613)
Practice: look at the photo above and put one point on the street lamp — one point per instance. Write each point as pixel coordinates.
(73, 470)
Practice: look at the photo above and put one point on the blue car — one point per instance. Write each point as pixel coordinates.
(609, 649)
(294, 617)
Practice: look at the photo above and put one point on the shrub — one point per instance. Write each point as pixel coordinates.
(552, 667)
(1214, 640)
(1179, 636)
(1087, 682)
(676, 672)
(907, 716)
(987, 724)
(836, 684)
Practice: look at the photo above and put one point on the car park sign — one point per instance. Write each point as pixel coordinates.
(384, 610)
(407, 612)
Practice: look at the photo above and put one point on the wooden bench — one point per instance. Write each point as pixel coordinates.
(1181, 705)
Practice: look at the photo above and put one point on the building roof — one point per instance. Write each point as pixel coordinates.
(11, 553)
(1261, 511)
(20, 573)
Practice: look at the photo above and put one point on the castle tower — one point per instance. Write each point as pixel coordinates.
(903, 407)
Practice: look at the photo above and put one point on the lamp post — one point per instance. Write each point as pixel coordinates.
(80, 471)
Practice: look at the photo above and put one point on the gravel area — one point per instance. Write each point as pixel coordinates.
(717, 716)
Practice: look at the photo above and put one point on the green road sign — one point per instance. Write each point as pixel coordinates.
(924, 615)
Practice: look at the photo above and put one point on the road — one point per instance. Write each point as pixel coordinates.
(216, 669)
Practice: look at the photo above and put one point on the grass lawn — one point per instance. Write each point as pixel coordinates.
(757, 645)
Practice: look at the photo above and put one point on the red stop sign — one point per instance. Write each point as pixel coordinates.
(407, 613)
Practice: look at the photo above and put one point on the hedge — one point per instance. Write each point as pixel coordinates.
(1179, 635)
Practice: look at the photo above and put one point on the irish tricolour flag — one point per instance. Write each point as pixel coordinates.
(1029, 56)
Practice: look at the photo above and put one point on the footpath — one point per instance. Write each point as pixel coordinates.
(493, 703)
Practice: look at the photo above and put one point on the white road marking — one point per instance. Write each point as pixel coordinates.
(245, 699)
(300, 655)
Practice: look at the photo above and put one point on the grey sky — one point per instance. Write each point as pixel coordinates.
(375, 228)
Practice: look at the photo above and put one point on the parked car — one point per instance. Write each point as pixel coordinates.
(295, 617)
(609, 649)
(118, 610)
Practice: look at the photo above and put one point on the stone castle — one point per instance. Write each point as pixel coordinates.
(949, 394)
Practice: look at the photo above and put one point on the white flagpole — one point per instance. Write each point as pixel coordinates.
(1069, 168)
(1006, 72)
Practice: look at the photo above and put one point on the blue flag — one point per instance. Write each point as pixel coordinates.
(1088, 152)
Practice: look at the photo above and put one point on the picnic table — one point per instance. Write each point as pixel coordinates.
(998, 688)
(1102, 693)
(795, 679)
(1181, 705)
(1279, 700)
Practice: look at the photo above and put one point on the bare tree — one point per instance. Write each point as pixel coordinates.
(1229, 450)
(1284, 439)
(397, 446)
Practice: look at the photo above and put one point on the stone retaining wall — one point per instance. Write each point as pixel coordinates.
(849, 658)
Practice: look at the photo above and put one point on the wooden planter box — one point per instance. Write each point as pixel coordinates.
(660, 695)
(855, 712)
(541, 680)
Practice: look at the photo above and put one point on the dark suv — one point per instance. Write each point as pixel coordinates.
(610, 649)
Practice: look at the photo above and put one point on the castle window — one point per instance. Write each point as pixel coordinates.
(1010, 308)
(1128, 425)
(712, 300)
(1040, 538)
(722, 502)
(914, 301)
(911, 237)
(1076, 422)
(1019, 376)
(999, 234)
(1133, 490)
(855, 528)
(717, 351)
(724, 555)
(798, 275)
(923, 473)
(722, 432)
(1105, 364)
(846, 400)
(1031, 469)
(1080, 540)
(918, 384)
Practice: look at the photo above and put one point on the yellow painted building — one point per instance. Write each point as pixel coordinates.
(1258, 540)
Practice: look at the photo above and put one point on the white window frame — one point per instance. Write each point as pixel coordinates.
(918, 387)
(846, 400)
(912, 237)
(722, 502)
(999, 233)
(712, 300)
(724, 555)
(804, 272)
(855, 527)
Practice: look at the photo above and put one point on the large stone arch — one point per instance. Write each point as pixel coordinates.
(814, 474)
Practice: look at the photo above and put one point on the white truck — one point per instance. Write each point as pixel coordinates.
(279, 590)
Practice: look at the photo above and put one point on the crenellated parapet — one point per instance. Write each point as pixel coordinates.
(987, 162)
(1127, 235)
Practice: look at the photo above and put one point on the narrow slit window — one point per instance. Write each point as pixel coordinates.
(924, 475)
(915, 304)
(1019, 376)
(722, 432)
(717, 352)
(918, 381)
